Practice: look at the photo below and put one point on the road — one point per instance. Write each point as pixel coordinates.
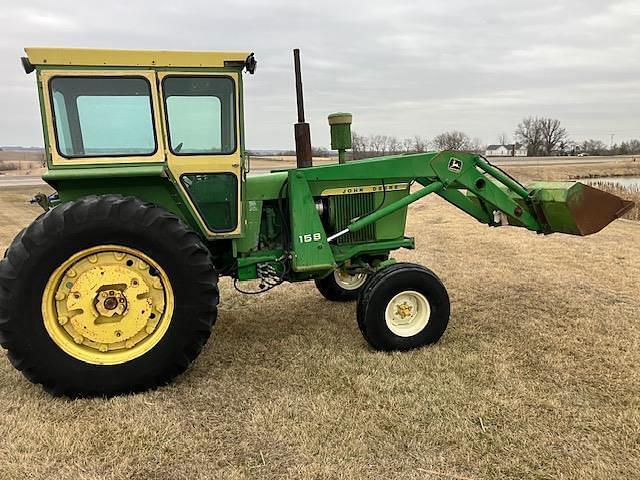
(20, 181)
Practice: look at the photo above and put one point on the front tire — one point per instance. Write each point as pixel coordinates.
(106, 295)
(402, 307)
(340, 286)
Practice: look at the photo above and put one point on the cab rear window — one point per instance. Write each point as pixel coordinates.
(103, 116)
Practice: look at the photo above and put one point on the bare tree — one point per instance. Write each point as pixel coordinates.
(529, 133)
(375, 144)
(407, 145)
(394, 145)
(476, 146)
(453, 140)
(593, 147)
(357, 145)
(420, 144)
(542, 136)
(503, 139)
(384, 145)
(554, 135)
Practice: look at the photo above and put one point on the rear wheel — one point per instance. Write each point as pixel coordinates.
(402, 307)
(341, 286)
(106, 295)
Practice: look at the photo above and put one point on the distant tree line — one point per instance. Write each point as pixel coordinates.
(365, 146)
(541, 136)
(598, 147)
(546, 136)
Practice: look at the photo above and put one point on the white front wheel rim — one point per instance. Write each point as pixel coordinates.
(347, 281)
(408, 313)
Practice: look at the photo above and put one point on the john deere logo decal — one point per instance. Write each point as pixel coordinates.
(455, 165)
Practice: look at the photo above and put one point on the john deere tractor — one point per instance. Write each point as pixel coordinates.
(114, 287)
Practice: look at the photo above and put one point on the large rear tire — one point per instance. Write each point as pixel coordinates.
(106, 295)
(403, 306)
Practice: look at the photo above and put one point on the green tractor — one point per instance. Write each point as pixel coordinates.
(114, 288)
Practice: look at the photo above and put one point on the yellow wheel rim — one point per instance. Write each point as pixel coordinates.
(107, 305)
(407, 313)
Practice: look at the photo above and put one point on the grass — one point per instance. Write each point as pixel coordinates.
(565, 172)
(536, 377)
(6, 166)
(20, 167)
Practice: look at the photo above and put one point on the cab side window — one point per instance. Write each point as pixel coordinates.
(102, 116)
(200, 115)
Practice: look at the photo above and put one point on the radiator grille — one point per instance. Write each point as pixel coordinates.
(348, 207)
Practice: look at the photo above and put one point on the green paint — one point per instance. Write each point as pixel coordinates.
(393, 207)
(308, 238)
(340, 127)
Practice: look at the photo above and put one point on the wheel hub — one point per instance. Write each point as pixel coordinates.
(404, 311)
(108, 302)
(349, 282)
(113, 302)
(407, 313)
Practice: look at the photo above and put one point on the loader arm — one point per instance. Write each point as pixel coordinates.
(481, 190)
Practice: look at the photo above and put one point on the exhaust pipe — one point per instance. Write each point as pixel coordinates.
(301, 129)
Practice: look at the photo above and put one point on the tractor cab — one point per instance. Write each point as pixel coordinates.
(174, 113)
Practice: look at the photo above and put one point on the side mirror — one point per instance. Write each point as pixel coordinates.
(250, 64)
(28, 66)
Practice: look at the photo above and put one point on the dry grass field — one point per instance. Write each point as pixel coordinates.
(22, 162)
(537, 376)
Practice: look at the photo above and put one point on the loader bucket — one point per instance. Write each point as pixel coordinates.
(575, 208)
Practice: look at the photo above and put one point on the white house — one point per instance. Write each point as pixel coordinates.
(511, 150)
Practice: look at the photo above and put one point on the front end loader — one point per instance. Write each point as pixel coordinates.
(115, 287)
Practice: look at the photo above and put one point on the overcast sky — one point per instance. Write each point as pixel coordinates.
(401, 67)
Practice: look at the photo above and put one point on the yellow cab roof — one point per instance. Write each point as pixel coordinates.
(131, 58)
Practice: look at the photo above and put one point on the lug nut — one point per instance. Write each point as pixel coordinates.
(62, 320)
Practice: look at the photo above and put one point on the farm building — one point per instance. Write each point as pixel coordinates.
(511, 150)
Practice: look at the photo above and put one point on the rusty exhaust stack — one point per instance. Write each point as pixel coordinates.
(301, 129)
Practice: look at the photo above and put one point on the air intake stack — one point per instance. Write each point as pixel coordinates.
(301, 129)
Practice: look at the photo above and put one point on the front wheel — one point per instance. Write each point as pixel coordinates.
(341, 286)
(402, 307)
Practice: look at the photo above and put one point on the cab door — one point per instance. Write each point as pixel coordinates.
(203, 146)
